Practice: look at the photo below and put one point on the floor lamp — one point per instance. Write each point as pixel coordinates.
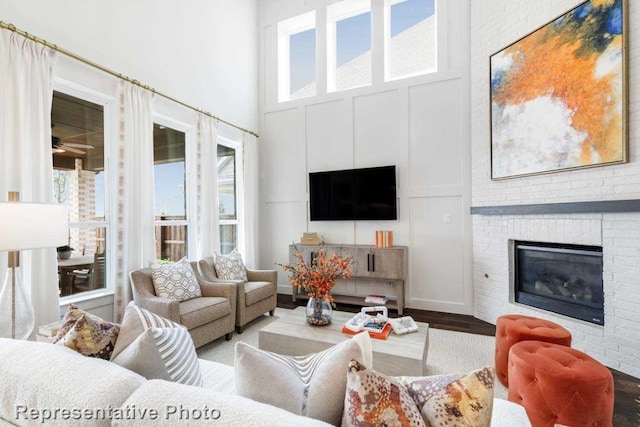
(25, 226)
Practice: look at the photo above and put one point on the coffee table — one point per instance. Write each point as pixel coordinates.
(397, 355)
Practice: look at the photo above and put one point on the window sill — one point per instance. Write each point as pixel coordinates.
(86, 296)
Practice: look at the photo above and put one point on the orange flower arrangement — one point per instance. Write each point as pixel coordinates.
(319, 276)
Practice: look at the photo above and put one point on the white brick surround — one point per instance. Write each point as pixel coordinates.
(494, 25)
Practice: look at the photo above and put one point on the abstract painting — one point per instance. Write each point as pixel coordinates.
(558, 95)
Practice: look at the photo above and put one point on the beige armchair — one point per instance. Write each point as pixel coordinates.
(207, 318)
(255, 297)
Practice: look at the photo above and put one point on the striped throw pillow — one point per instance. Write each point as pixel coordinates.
(156, 348)
(311, 385)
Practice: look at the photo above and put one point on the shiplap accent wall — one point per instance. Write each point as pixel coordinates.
(420, 124)
(494, 25)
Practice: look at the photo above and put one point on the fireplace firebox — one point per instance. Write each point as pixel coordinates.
(565, 279)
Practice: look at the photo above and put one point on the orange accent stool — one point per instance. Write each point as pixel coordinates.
(514, 328)
(560, 385)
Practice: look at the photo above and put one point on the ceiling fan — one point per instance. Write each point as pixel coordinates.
(60, 146)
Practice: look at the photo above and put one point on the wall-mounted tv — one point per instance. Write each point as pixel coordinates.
(353, 194)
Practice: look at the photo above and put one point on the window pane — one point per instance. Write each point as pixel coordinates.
(84, 268)
(227, 182)
(77, 144)
(228, 238)
(302, 64)
(169, 173)
(171, 242)
(411, 46)
(353, 52)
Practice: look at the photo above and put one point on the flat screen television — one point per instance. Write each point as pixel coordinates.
(353, 194)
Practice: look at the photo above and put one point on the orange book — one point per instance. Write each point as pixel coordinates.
(377, 335)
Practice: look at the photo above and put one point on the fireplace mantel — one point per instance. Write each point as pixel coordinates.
(603, 206)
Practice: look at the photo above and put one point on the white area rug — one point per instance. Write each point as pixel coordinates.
(449, 352)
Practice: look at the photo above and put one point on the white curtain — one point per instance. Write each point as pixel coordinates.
(251, 216)
(207, 214)
(135, 189)
(26, 163)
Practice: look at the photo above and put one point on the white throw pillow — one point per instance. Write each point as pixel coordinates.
(311, 385)
(175, 281)
(230, 267)
(156, 348)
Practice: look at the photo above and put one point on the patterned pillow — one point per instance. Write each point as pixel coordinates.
(374, 399)
(311, 385)
(454, 400)
(230, 267)
(87, 334)
(460, 400)
(176, 281)
(156, 348)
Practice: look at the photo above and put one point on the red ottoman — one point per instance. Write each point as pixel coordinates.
(560, 385)
(514, 328)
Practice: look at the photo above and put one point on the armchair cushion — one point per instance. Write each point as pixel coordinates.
(230, 267)
(176, 281)
(257, 291)
(200, 311)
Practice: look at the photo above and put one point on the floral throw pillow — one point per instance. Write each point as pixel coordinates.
(87, 334)
(460, 400)
(454, 400)
(374, 399)
(175, 281)
(230, 267)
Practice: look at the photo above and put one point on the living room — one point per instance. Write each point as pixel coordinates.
(458, 223)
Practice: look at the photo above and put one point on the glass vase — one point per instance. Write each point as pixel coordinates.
(318, 311)
(17, 317)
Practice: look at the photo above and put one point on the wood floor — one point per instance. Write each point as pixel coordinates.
(627, 388)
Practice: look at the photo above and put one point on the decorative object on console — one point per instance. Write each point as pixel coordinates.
(570, 76)
(156, 348)
(230, 267)
(311, 385)
(317, 278)
(175, 280)
(87, 334)
(311, 238)
(456, 400)
(376, 299)
(384, 238)
(25, 226)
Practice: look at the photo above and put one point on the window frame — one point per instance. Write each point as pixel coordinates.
(286, 29)
(239, 172)
(338, 12)
(190, 171)
(110, 153)
(437, 6)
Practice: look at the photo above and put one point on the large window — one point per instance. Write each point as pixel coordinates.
(78, 149)
(297, 57)
(410, 38)
(229, 185)
(170, 193)
(348, 45)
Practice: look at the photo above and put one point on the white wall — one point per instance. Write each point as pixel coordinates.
(419, 124)
(494, 25)
(200, 52)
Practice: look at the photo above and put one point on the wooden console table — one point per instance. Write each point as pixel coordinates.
(372, 265)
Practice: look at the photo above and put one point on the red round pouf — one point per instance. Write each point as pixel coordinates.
(560, 385)
(513, 328)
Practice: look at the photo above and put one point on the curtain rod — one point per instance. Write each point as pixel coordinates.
(66, 52)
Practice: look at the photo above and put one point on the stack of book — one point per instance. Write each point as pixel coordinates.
(384, 238)
(376, 299)
(310, 239)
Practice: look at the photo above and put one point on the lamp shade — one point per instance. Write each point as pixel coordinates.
(26, 226)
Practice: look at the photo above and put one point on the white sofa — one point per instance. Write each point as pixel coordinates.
(41, 383)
